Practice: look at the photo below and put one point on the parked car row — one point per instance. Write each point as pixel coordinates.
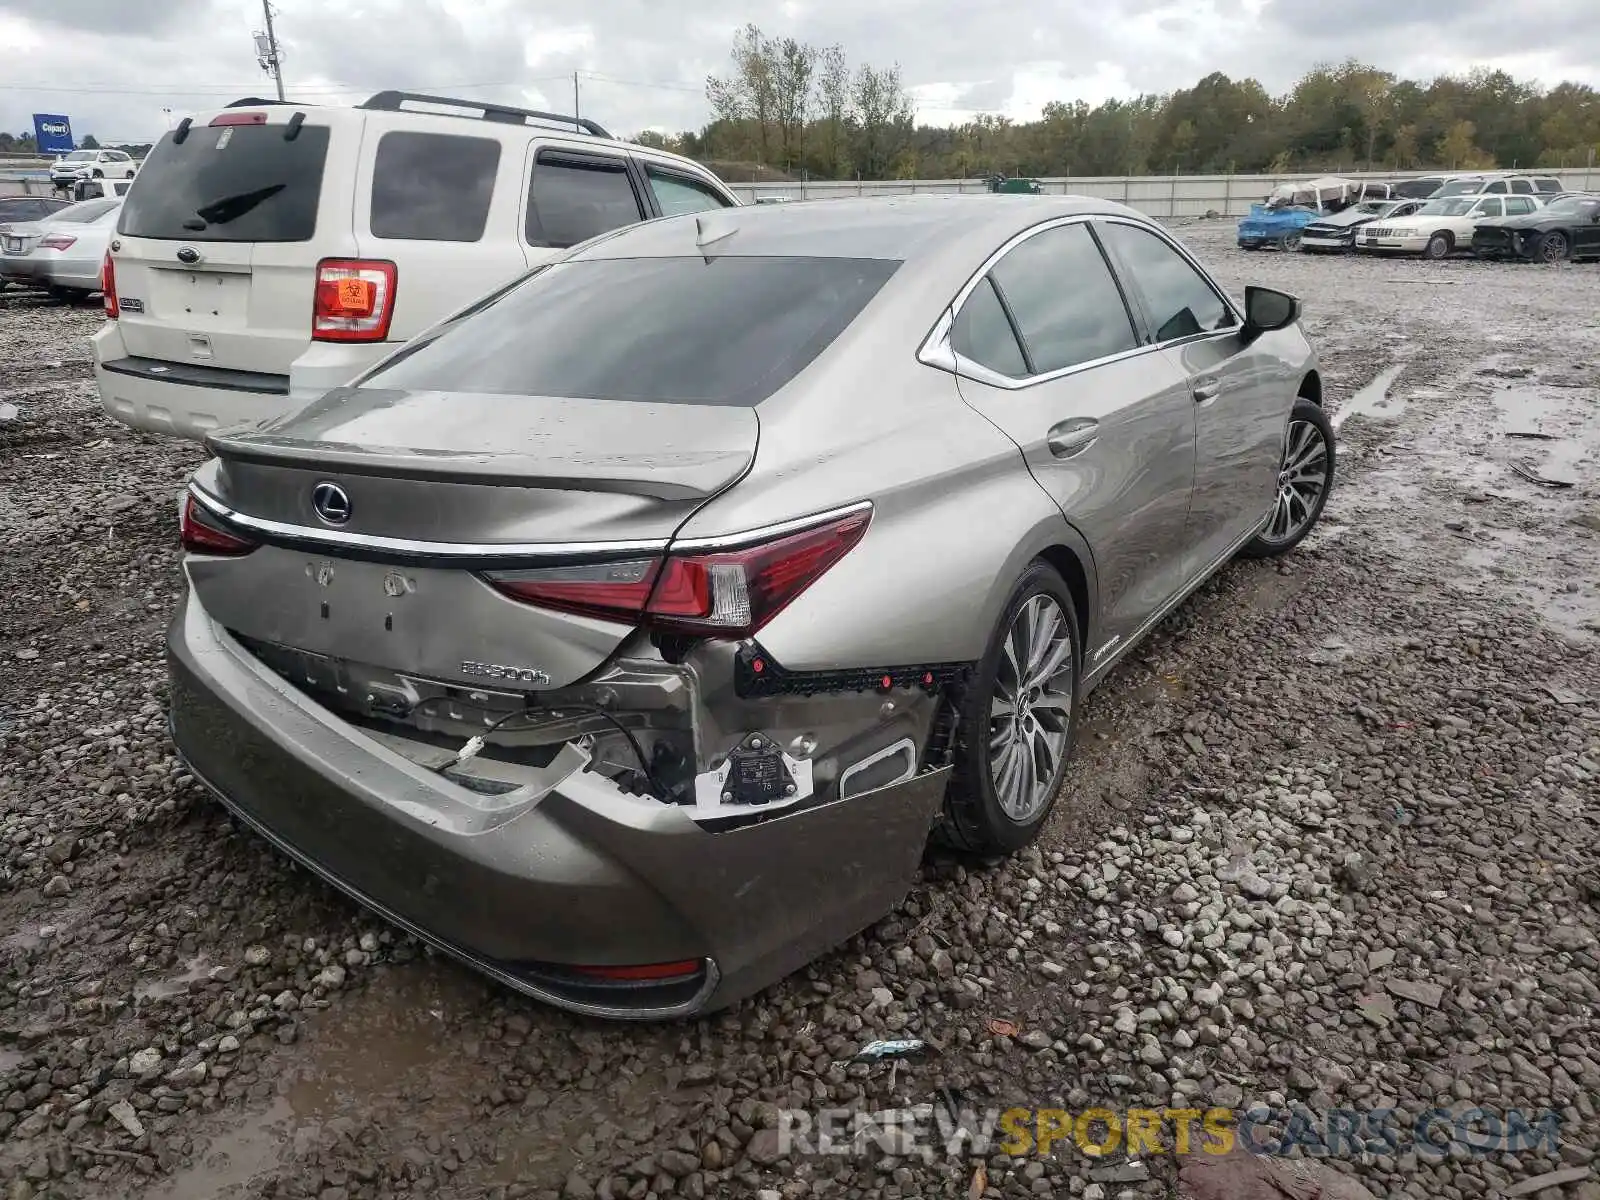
(1520, 216)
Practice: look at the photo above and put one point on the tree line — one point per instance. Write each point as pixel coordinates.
(800, 109)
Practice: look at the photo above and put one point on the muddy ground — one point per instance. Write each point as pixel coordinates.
(1332, 839)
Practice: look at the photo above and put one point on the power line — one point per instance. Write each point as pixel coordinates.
(345, 89)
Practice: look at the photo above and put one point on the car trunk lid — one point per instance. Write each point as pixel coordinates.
(217, 247)
(437, 487)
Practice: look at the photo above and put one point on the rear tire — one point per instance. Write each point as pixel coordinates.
(1018, 722)
(1554, 248)
(1305, 478)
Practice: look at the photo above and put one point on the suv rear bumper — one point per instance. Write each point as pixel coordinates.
(190, 400)
(179, 398)
(579, 874)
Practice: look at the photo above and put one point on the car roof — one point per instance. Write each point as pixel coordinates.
(889, 227)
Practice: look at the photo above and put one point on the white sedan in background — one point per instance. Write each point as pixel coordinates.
(64, 252)
(1441, 227)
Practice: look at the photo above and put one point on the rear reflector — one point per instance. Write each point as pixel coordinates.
(58, 241)
(108, 286)
(649, 971)
(201, 535)
(725, 594)
(354, 300)
(239, 118)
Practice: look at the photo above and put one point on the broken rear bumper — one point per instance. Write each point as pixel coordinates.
(526, 890)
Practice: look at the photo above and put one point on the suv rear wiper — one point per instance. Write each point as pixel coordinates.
(220, 212)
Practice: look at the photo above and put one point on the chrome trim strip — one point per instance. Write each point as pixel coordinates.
(419, 549)
(750, 537)
(475, 551)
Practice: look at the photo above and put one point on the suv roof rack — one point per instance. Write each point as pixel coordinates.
(391, 101)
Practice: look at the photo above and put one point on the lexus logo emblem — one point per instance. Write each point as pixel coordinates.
(188, 254)
(332, 503)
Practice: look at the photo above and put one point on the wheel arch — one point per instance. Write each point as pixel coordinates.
(1311, 388)
(1065, 561)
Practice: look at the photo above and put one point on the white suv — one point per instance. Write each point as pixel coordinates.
(1500, 183)
(72, 169)
(274, 251)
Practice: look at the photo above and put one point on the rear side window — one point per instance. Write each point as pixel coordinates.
(575, 197)
(678, 194)
(1547, 185)
(1522, 187)
(237, 183)
(1498, 187)
(1066, 304)
(983, 333)
(433, 187)
(730, 331)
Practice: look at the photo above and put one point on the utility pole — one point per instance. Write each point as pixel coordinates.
(576, 111)
(267, 52)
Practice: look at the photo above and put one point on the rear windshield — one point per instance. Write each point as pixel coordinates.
(664, 330)
(82, 214)
(237, 183)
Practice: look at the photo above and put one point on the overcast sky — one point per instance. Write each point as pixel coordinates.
(113, 66)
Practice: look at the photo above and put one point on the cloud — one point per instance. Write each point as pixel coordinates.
(114, 65)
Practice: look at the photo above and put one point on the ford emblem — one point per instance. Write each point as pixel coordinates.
(188, 254)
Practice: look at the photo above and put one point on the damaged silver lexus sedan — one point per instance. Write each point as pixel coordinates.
(628, 634)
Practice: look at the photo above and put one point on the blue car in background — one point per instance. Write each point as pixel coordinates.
(1280, 226)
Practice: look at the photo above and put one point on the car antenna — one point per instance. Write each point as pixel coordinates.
(709, 230)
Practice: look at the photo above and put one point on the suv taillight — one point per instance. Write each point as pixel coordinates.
(108, 286)
(200, 534)
(721, 594)
(354, 300)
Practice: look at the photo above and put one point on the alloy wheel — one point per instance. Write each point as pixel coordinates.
(1553, 248)
(1302, 479)
(1030, 711)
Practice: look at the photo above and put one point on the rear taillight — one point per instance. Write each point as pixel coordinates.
(58, 241)
(723, 593)
(239, 118)
(201, 534)
(354, 300)
(108, 286)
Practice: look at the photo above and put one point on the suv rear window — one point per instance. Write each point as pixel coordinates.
(662, 330)
(237, 183)
(433, 187)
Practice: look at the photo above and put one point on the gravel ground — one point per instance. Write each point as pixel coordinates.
(1331, 841)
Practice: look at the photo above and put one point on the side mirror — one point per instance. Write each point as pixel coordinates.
(1266, 310)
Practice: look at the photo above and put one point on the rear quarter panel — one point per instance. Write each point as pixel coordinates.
(956, 519)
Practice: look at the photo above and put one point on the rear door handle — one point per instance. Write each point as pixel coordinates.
(1206, 389)
(1072, 437)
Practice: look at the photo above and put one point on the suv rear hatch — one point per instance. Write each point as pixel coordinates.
(219, 243)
